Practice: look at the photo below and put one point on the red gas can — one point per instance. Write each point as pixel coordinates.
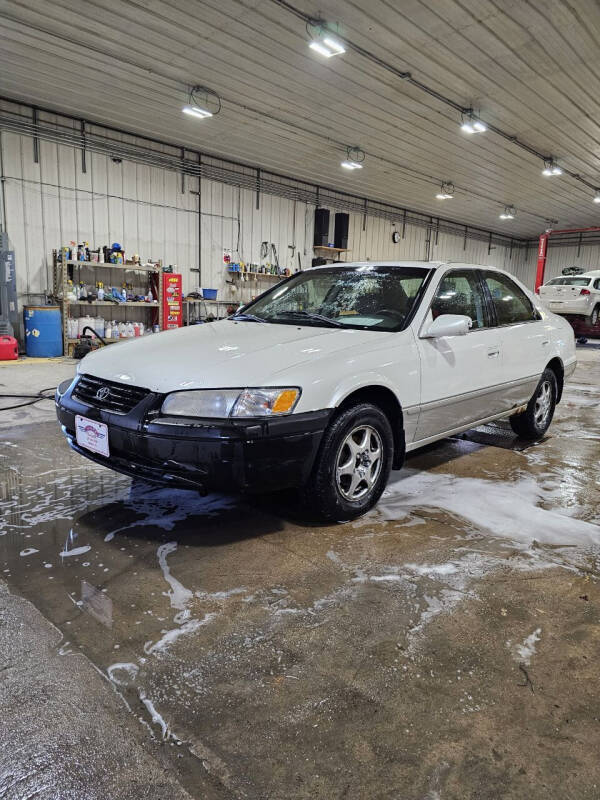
(9, 348)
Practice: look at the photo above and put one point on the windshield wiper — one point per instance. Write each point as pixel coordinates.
(247, 318)
(332, 323)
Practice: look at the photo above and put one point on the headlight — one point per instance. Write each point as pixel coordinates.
(223, 403)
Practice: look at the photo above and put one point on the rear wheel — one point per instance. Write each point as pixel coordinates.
(594, 316)
(535, 420)
(353, 464)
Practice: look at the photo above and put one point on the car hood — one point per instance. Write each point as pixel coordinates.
(223, 354)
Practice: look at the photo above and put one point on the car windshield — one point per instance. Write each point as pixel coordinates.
(569, 282)
(373, 298)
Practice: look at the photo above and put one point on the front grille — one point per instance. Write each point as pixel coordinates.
(107, 395)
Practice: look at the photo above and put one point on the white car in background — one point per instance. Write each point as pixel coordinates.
(324, 382)
(574, 294)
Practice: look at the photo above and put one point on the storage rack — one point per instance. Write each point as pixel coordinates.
(321, 249)
(61, 278)
(206, 304)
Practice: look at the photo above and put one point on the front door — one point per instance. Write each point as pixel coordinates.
(460, 375)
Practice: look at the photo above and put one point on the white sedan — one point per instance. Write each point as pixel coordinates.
(323, 382)
(574, 294)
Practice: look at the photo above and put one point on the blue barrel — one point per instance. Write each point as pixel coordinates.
(43, 331)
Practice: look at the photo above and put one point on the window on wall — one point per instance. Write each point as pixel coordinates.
(510, 302)
(460, 293)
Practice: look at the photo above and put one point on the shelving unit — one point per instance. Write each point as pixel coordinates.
(61, 278)
(321, 248)
(216, 304)
(244, 276)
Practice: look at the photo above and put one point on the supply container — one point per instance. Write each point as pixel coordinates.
(43, 331)
(9, 348)
(82, 322)
(209, 294)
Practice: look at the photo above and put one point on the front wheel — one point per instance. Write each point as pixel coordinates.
(353, 464)
(592, 320)
(533, 423)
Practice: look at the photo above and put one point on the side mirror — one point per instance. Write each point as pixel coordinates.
(448, 325)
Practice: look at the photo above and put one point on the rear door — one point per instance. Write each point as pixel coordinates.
(524, 337)
(460, 375)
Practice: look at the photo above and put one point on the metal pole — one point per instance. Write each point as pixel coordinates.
(541, 262)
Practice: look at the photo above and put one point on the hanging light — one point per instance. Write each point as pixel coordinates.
(551, 168)
(200, 102)
(471, 124)
(323, 42)
(354, 158)
(196, 111)
(446, 191)
(508, 213)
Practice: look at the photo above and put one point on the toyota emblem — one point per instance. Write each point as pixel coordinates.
(102, 393)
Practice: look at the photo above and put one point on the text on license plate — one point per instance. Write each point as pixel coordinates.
(92, 435)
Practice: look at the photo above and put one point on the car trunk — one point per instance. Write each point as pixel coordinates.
(565, 292)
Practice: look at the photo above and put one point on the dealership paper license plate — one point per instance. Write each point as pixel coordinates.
(92, 435)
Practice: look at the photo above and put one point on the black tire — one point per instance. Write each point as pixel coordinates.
(582, 340)
(334, 499)
(592, 320)
(533, 423)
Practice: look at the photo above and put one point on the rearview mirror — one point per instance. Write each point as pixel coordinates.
(448, 325)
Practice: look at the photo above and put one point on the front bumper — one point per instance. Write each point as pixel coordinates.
(249, 455)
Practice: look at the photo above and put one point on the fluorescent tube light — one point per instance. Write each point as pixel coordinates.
(321, 49)
(334, 45)
(196, 111)
(351, 165)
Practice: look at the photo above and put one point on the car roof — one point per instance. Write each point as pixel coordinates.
(421, 264)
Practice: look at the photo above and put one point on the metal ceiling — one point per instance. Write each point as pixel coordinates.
(528, 66)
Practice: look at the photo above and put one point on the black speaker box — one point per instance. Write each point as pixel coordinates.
(321, 227)
(340, 236)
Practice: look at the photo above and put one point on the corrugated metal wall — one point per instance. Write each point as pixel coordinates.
(561, 256)
(151, 212)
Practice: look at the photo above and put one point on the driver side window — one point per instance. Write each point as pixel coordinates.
(460, 293)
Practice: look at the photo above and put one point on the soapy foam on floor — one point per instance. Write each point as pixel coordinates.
(523, 653)
(508, 510)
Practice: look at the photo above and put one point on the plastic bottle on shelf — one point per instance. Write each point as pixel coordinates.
(130, 330)
(100, 291)
(142, 329)
(122, 330)
(108, 330)
(136, 328)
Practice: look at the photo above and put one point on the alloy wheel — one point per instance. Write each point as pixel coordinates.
(543, 404)
(359, 462)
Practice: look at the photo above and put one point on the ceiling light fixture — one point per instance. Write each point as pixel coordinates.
(202, 103)
(323, 41)
(508, 213)
(446, 191)
(551, 168)
(354, 158)
(597, 196)
(470, 123)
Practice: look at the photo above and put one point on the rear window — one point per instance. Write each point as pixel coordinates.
(569, 282)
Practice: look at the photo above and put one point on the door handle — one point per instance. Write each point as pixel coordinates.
(493, 353)
(547, 341)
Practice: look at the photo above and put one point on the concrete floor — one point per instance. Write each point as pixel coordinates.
(157, 644)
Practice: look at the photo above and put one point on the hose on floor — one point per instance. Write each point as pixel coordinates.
(30, 399)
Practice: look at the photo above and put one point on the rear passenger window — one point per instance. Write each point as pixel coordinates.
(511, 303)
(597, 283)
(460, 293)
